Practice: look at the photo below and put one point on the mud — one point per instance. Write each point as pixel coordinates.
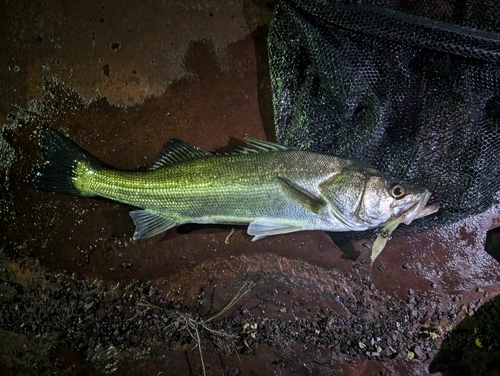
(79, 297)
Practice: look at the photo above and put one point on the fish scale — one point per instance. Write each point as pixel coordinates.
(225, 180)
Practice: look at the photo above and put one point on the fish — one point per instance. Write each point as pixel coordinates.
(272, 188)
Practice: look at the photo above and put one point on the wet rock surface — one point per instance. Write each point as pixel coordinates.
(298, 324)
(79, 297)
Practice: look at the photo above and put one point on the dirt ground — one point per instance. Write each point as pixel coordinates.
(79, 297)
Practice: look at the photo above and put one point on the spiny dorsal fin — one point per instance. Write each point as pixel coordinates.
(258, 146)
(176, 151)
(303, 197)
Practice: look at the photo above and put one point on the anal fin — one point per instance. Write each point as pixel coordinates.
(261, 228)
(149, 224)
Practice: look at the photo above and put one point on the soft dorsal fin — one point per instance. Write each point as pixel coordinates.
(176, 151)
(258, 146)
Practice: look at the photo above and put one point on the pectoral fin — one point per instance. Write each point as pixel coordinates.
(261, 228)
(148, 224)
(303, 197)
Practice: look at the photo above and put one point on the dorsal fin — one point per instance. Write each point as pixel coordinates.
(258, 146)
(177, 151)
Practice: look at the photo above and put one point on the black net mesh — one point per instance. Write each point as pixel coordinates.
(409, 87)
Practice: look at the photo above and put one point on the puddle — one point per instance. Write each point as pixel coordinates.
(492, 245)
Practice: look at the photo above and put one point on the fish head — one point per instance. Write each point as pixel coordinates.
(363, 197)
(385, 199)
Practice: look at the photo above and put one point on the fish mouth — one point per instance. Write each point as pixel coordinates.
(420, 209)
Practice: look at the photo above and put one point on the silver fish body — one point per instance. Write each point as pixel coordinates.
(273, 188)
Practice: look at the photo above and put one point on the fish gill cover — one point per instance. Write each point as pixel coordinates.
(410, 88)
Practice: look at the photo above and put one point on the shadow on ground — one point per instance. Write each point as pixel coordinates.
(473, 346)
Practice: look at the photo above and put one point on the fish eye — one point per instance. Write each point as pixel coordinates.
(397, 191)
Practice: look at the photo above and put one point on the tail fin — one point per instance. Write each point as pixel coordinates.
(62, 155)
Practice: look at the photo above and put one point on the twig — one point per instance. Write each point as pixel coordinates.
(226, 241)
(201, 353)
(232, 302)
(148, 305)
(191, 325)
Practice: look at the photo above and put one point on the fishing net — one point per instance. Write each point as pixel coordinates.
(409, 87)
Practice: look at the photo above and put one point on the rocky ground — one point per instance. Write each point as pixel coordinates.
(79, 297)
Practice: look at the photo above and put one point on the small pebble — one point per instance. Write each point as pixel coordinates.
(419, 352)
